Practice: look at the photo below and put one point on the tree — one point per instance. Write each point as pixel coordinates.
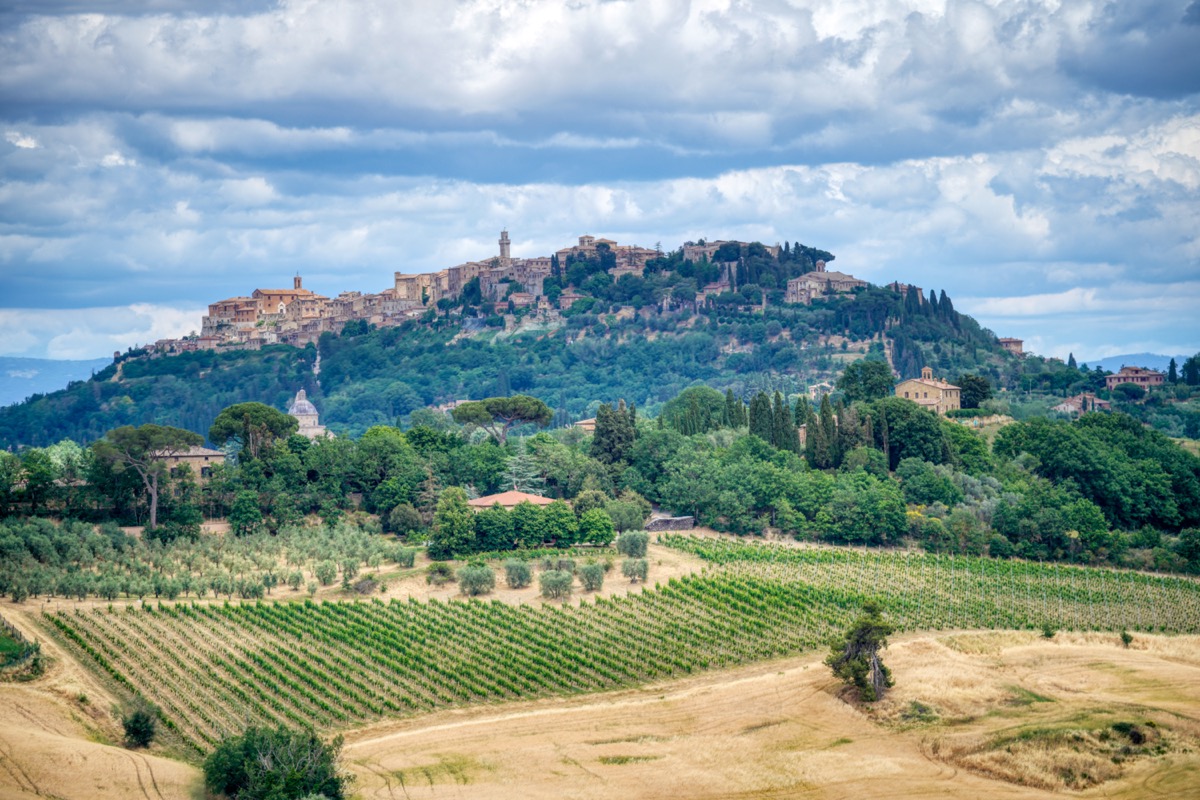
(614, 434)
(592, 577)
(245, 517)
(497, 415)
(595, 527)
(255, 426)
(144, 451)
(974, 390)
(633, 544)
(1129, 392)
(866, 380)
(453, 525)
(279, 764)
(1172, 372)
(140, 728)
(762, 417)
(855, 657)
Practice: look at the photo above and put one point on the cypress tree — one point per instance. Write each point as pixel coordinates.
(761, 417)
(731, 414)
(1071, 361)
(783, 429)
(1172, 372)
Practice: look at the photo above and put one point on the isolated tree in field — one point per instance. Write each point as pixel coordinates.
(855, 657)
(255, 426)
(143, 450)
(866, 380)
(140, 728)
(497, 414)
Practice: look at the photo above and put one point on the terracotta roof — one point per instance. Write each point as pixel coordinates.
(509, 499)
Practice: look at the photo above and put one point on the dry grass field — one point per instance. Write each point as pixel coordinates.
(775, 729)
(781, 730)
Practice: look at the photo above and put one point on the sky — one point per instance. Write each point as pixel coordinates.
(1038, 161)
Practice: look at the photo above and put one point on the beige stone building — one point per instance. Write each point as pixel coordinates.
(198, 460)
(820, 283)
(1014, 346)
(930, 392)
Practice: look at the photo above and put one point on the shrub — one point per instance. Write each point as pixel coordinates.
(476, 579)
(439, 573)
(140, 727)
(517, 574)
(592, 577)
(366, 585)
(556, 584)
(633, 544)
(636, 569)
(277, 764)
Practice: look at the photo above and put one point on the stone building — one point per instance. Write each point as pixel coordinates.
(820, 283)
(1014, 346)
(1139, 376)
(931, 393)
(306, 414)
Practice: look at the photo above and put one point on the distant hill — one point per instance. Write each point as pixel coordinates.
(372, 377)
(1148, 360)
(22, 377)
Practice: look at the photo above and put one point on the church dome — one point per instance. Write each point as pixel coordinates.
(301, 407)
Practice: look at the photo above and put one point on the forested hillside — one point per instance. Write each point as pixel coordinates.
(369, 377)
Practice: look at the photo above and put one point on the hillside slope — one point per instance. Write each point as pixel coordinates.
(377, 376)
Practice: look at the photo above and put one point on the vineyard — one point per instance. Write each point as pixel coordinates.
(213, 669)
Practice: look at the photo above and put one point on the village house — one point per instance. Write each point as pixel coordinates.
(1138, 376)
(1081, 404)
(820, 283)
(931, 393)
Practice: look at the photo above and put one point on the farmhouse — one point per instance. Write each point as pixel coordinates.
(199, 460)
(1138, 376)
(1082, 403)
(931, 393)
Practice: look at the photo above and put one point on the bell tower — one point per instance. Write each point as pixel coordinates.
(504, 251)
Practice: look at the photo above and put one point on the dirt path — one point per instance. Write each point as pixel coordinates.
(778, 730)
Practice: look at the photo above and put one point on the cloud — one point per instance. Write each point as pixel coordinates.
(1027, 156)
(18, 139)
(90, 332)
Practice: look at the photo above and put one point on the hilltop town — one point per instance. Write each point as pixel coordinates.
(503, 284)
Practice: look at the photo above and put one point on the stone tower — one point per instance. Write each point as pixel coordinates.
(296, 283)
(505, 258)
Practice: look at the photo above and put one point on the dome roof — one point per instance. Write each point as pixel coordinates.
(301, 407)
